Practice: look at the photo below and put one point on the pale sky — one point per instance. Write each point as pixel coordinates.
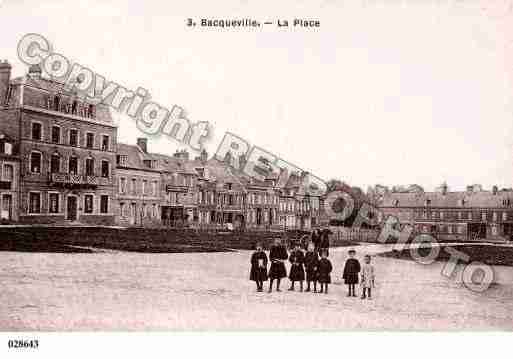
(388, 92)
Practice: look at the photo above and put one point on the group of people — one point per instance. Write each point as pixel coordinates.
(312, 266)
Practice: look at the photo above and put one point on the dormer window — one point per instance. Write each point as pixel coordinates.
(91, 111)
(122, 160)
(428, 202)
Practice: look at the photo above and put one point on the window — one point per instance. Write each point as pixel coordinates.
(73, 137)
(36, 131)
(122, 209)
(105, 169)
(494, 216)
(6, 148)
(133, 185)
(74, 108)
(122, 185)
(154, 188)
(122, 160)
(8, 175)
(483, 216)
(104, 204)
(105, 143)
(91, 111)
(53, 205)
(504, 216)
(89, 168)
(154, 210)
(56, 103)
(89, 140)
(88, 203)
(55, 163)
(56, 134)
(34, 202)
(73, 165)
(35, 162)
(144, 186)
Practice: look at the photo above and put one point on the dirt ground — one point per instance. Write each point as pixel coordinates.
(111, 290)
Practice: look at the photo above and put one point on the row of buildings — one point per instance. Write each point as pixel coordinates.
(465, 215)
(60, 161)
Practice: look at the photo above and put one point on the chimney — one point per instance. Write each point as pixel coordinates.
(204, 155)
(242, 162)
(35, 71)
(470, 189)
(495, 189)
(444, 188)
(5, 79)
(228, 158)
(143, 144)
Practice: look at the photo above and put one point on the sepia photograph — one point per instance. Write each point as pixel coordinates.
(339, 167)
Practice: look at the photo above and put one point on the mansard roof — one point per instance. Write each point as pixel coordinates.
(464, 199)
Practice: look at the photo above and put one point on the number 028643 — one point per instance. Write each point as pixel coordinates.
(23, 344)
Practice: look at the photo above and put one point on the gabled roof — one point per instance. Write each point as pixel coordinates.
(135, 156)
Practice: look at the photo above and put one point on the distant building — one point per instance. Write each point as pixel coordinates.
(466, 215)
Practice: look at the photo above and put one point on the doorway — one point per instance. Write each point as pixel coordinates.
(72, 208)
(6, 212)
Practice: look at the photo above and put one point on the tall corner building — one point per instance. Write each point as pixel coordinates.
(65, 147)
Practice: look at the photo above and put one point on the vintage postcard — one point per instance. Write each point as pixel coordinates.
(243, 165)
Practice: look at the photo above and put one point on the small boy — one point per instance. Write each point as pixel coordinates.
(367, 277)
(311, 264)
(297, 270)
(259, 267)
(351, 270)
(324, 272)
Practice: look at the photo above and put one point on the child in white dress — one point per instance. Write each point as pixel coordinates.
(367, 277)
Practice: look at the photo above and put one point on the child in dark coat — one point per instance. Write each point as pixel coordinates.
(258, 267)
(277, 255)
(297, 270)
(324, 272)
(311, 264)
(351, 270)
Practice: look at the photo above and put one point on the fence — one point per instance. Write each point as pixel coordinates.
(341, 234)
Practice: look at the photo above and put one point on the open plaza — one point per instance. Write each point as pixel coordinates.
(114, 290)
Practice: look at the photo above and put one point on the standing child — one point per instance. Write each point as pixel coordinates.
(351, 270)
(367, 277)
(297, 270)
(259, 267)
(324, 272)
(311, 264)
(277, 271)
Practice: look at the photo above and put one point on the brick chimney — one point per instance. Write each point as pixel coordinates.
(35, 71)
(242, 162)
(143, 144)
(5, 79)
(204, 155)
